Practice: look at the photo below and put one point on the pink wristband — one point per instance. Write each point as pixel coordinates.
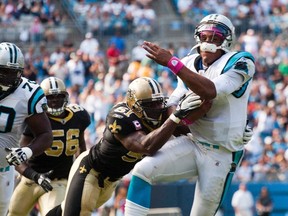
(186, 121)
(175, 65)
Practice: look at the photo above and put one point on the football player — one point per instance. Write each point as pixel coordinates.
(132, 132)
(68, 122)
(21, 101)
(215, 146)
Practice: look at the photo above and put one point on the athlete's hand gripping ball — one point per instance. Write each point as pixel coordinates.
(187, 103)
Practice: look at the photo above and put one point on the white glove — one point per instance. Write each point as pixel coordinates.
(186, 104)
(17, 156)
(248, 133)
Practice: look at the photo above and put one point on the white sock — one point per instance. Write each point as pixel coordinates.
(132, 209)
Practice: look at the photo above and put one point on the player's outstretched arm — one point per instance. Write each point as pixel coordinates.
(202, 86)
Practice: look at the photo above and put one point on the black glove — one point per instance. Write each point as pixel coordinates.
(41, 179)
(186, 104)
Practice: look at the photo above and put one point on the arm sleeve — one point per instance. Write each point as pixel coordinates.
(228, 83)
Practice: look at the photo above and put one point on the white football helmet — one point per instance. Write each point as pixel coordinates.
(56, 94)
(146, 99)
(219, 24)
(11, 68)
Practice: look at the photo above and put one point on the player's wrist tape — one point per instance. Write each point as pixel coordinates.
(28, 152)
(175, 65)
(186, 121)
(174, 118)
(30, 174)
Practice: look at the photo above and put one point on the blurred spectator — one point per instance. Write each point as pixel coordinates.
(242, 201)
(113, 55)
(244, 172)
(264, 203)
(183, 50)
(283, 67)
(56, 54)
(76, 70)
(119, 200)
(146, 68)
(183, 6)
(89, 45)
(137, 52)
(36, 30)
(60, 69)
(93, 19)
(250, 42)
(57, 17)
(116, 60)
(30, 55)
(143, 21)
(119, 41)
(260, 170)
(87, 65)
(30, 72)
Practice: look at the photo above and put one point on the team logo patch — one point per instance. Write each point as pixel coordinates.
(174, 62)
(137, 125)
(82, 169)
(114, 128)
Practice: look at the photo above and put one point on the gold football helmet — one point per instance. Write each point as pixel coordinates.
(56, 94)
(146, 99)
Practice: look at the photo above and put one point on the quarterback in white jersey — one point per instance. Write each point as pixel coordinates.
(21, 102)
(215, 145)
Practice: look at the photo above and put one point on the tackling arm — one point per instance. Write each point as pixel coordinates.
(150, 143)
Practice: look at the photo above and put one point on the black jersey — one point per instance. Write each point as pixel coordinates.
(109, 156)
(59, 157)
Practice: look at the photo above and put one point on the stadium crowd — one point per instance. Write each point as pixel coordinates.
(97, 78)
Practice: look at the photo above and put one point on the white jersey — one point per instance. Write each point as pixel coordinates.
(26, 100)
(225, 122)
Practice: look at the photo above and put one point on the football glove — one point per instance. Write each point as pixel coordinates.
(17, 156)
(248, 133)
(42, 179)
(186, 104)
